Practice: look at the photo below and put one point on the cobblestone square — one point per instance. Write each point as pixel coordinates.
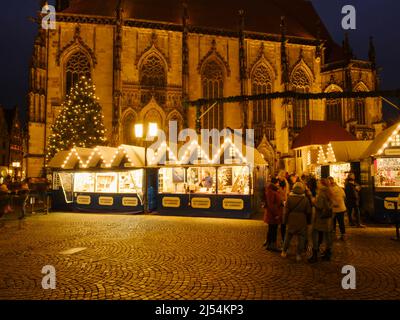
(159, 257)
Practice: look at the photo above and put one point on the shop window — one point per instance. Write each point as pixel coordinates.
(234, 180)
(106, 182)
(340, 172)
(84, 182)
(387, 172)
(131, 182)
(201, 180)
(172, 180)
(77, 66)
(213, 84)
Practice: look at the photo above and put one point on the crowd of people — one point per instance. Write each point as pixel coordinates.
(309, 209)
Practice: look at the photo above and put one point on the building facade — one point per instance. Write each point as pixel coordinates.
(12, 144)
(147, 58)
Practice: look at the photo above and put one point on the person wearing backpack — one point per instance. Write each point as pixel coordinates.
(297, 216)
(322, 221)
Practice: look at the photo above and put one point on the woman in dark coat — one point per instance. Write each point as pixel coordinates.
(273, 213)
(297, 216)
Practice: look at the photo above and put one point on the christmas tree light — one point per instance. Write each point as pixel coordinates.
(78, 124)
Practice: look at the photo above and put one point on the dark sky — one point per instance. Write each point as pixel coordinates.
(379, 18)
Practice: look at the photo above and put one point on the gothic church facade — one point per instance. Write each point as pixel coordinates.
(147, 57)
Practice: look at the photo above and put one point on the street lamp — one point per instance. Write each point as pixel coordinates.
(140, 134)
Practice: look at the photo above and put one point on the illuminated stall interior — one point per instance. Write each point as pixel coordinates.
(385, 151)
(342, 157)
(311, 145)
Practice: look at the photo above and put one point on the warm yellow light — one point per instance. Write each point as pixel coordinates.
(153, 129)
(139, 130)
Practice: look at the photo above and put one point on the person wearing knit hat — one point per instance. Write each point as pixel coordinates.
(298, 212)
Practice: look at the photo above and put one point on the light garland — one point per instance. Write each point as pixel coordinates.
(389, 140)
(80, 122)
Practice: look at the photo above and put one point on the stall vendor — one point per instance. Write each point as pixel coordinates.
(207, 181)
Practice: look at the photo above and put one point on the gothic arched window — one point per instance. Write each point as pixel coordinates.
(359, 111)
(334, 110)
(262, 109)
(127, 129)
(77, 66)
(213, 87)
(153, 79)
(301, 108)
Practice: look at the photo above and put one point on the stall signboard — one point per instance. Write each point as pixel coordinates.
(130, 202)
(201, 203)
(233, 204)
(392, 152)
(390, 203)
(171, 202)
(83, 200)
(106, 201)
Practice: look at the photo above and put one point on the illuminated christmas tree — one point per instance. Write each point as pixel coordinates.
(80, 122)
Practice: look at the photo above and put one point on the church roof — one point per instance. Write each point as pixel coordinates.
(321, 133)
(260, 15)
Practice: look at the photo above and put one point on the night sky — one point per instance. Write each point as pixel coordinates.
(379, 18)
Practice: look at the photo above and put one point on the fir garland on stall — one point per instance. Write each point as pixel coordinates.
(80, 122)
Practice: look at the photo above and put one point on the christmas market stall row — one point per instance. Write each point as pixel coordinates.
(184, 182)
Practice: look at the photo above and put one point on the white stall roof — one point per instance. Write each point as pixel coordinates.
(348, 151)
(381, 139)
(134, 154)
(187, 158)
(103, 154)
(58, 160)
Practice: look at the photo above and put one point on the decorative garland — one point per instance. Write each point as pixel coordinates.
(299, 96)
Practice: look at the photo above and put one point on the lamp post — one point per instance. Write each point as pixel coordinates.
(140, 134)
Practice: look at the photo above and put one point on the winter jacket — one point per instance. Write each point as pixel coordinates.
(338, 199)
(274, 205)
(323, 205)
(352, 195)
(297, 211)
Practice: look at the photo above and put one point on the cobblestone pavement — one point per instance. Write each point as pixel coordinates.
(158, 257)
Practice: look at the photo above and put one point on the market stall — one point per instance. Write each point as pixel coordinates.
(382, 167)
(338, 158)
(102, 179)
(216, 186)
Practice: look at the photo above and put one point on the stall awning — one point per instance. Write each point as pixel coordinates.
(58, 159)
(104, 155)
(134, 155)
(349, 151)
(91, 157)
(380, 141)
(321, 133)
